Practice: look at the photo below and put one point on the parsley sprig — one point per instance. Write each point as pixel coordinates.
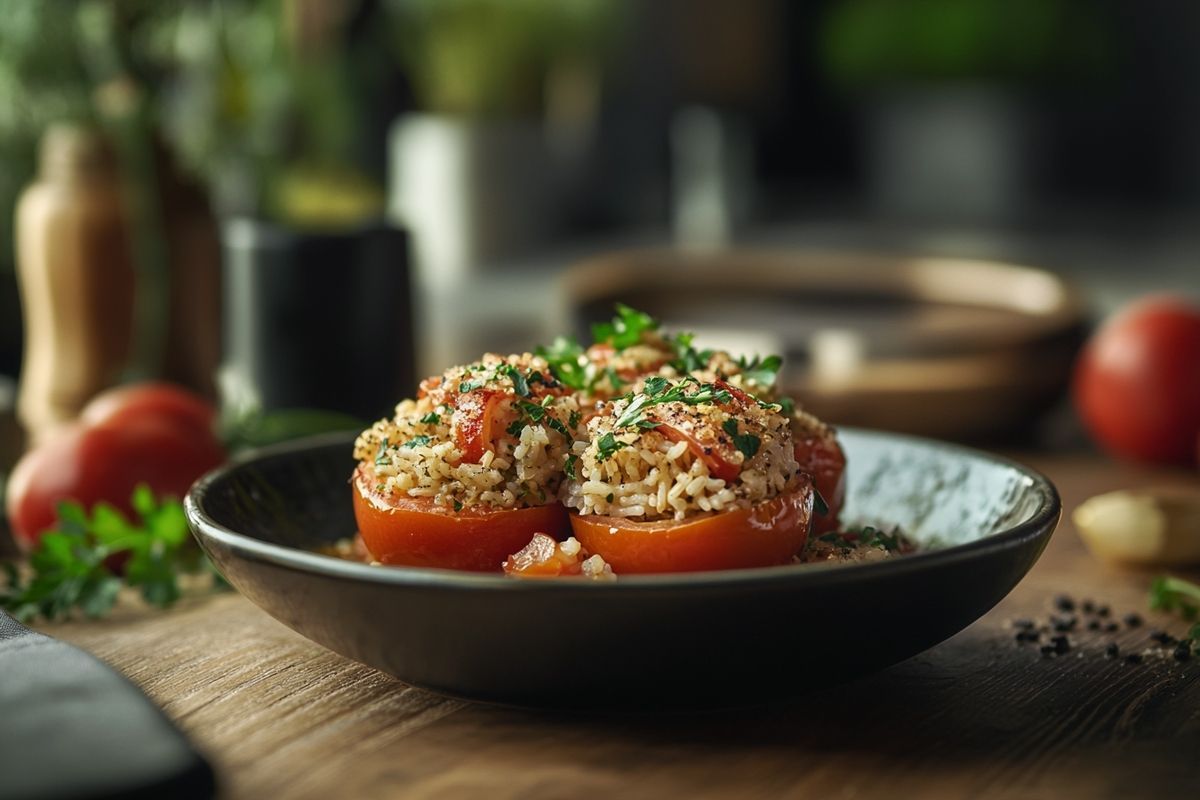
(1172, 594)
(687, 357)
(71, 568)
(748, 443)
(530, 413)
(658, 390)
(625, 329)
(569, 364)
(762, 371)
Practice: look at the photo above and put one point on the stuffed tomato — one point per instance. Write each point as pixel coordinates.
(685, 476)
(465, 474)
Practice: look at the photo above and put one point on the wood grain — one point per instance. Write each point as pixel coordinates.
(976, 717)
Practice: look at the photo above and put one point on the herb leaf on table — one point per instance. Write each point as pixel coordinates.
(72, 568)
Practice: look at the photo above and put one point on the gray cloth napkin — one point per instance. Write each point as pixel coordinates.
(70, 727)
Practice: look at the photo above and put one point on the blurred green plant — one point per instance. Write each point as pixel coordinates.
(867, 44)
(493, 58)
(244, 92)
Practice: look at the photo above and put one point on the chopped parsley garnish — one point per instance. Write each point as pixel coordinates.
(787, 405)
(867, 536)
(381, 456)
(609, 497)
(537, 377)
(569, 467)
(564, 357)
(469, 386)
(626, 328)
(458, 506)
(432, 418)
(608, 444)
(762, 371)
(687, 357)
(746, 442)
(531, 412)
(520, 384)
(659, 391)
(418, 441)
(573, 419)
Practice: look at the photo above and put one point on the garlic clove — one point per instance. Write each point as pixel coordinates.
(1142, 526)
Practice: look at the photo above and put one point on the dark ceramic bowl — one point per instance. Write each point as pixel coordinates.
(692, 640)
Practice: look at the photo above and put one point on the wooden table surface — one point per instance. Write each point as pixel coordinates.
(979, 716)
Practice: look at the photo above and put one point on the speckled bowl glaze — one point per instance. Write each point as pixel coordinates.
(693, 640)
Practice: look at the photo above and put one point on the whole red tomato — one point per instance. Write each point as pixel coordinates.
(89, 463)
(1137, 382)
(160, 400)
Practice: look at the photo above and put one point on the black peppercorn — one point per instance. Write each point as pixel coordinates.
(1064, 603)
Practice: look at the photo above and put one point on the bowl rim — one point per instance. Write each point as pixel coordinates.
(1041, 523)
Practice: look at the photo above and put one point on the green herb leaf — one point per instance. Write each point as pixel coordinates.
(469, 386)
(458, 506)
(567, 362)
(762, 371)
(747, 443)
(569, 467)
(608, 444)
(69, 569)
(1175, 594)
(659, 391)
(520, 384)
(687, 358)
(381, 456)
(819, 504)
(432, 418)
(626, 328)
(418, 441)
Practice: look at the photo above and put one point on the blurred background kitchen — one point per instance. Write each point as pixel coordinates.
(306, 204)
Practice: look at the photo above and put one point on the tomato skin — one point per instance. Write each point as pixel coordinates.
(823, 459)
(718, 467)
(104, 463)
(1137, 382)
(416, 532)
(162, 400)
(764, 535)
(474, 423)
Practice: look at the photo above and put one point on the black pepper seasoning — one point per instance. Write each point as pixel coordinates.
(1064, 603)
(1133, 658)
(1112, 651)
(1133, 620)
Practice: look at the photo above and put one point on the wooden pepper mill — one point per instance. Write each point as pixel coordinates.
(78, 280)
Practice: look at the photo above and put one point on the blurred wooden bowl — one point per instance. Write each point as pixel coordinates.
(945, 347)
